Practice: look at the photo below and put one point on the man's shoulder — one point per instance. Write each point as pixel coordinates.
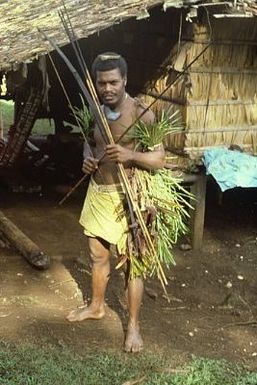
(141, 106)
(139, 103)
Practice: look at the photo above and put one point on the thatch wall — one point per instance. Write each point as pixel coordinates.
(218, 95)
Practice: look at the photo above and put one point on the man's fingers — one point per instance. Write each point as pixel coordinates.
(91, 162)
(110, 148)
(113, 151)
(117, 153)
(112, 154)
(89, 165)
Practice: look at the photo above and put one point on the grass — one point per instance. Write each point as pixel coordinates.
(41, 126)
(33, 365)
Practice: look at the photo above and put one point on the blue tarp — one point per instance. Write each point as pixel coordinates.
(231, 168)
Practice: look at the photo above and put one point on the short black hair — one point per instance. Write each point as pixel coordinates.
(108, 61)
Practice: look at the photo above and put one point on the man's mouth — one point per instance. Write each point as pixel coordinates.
(108, 96)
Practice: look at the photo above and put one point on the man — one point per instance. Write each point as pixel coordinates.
(103, 217)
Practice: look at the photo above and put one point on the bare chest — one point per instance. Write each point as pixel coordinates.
(117, 129)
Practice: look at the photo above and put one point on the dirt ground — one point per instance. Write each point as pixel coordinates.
(213, 308)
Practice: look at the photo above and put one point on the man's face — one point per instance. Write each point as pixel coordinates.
(110, 86)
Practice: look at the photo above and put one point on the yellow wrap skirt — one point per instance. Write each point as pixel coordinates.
(103, 214)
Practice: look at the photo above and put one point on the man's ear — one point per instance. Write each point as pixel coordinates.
(125, 81)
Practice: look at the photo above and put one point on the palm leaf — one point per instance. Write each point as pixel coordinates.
(83, 117)
(159, 189)
(152, 134)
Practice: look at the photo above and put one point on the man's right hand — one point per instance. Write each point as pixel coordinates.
(90, 165)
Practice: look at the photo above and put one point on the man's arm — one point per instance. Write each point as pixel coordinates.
(151, 160)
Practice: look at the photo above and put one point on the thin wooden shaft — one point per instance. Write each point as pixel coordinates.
(66, 95)
(72, 189)
(69, 102)
(72, 37)
(65, 19)
(78, 123)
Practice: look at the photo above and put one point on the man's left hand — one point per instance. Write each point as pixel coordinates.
(117, 153)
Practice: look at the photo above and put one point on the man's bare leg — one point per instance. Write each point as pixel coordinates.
(133, 341)
(100, 255)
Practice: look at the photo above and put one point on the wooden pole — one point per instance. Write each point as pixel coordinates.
(23, 244)
(197, 214)
(1, 124)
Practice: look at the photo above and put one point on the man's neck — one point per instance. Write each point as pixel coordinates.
(119, 105)
(114, 113)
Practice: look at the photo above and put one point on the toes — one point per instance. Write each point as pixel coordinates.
(133, 346)
(71, 316)
(128, 347)
(135, 349)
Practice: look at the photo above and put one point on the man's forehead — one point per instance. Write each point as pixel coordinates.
(109, 74)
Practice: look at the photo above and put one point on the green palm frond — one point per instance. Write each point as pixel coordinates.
(84, 119)
(153, 134)
(161, 192)
(159, 189)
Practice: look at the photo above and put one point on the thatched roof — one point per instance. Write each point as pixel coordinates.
(20, 40)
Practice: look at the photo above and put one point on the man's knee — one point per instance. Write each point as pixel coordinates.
(99, 252)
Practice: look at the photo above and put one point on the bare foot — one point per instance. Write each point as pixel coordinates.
(133, 342)
(85, 312)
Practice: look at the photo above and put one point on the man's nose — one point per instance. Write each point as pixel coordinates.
(107, 87)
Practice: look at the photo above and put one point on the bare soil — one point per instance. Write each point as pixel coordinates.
(213, 307)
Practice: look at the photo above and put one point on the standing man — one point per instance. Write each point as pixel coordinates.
(104, 215)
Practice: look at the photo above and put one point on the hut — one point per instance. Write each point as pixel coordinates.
(216, 93)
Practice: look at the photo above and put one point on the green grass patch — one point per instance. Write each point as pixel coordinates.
(7, 110)
(33, 365)
(41, 126)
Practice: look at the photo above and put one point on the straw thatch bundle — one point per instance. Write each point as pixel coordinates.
(20, 20)
(217, 97)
